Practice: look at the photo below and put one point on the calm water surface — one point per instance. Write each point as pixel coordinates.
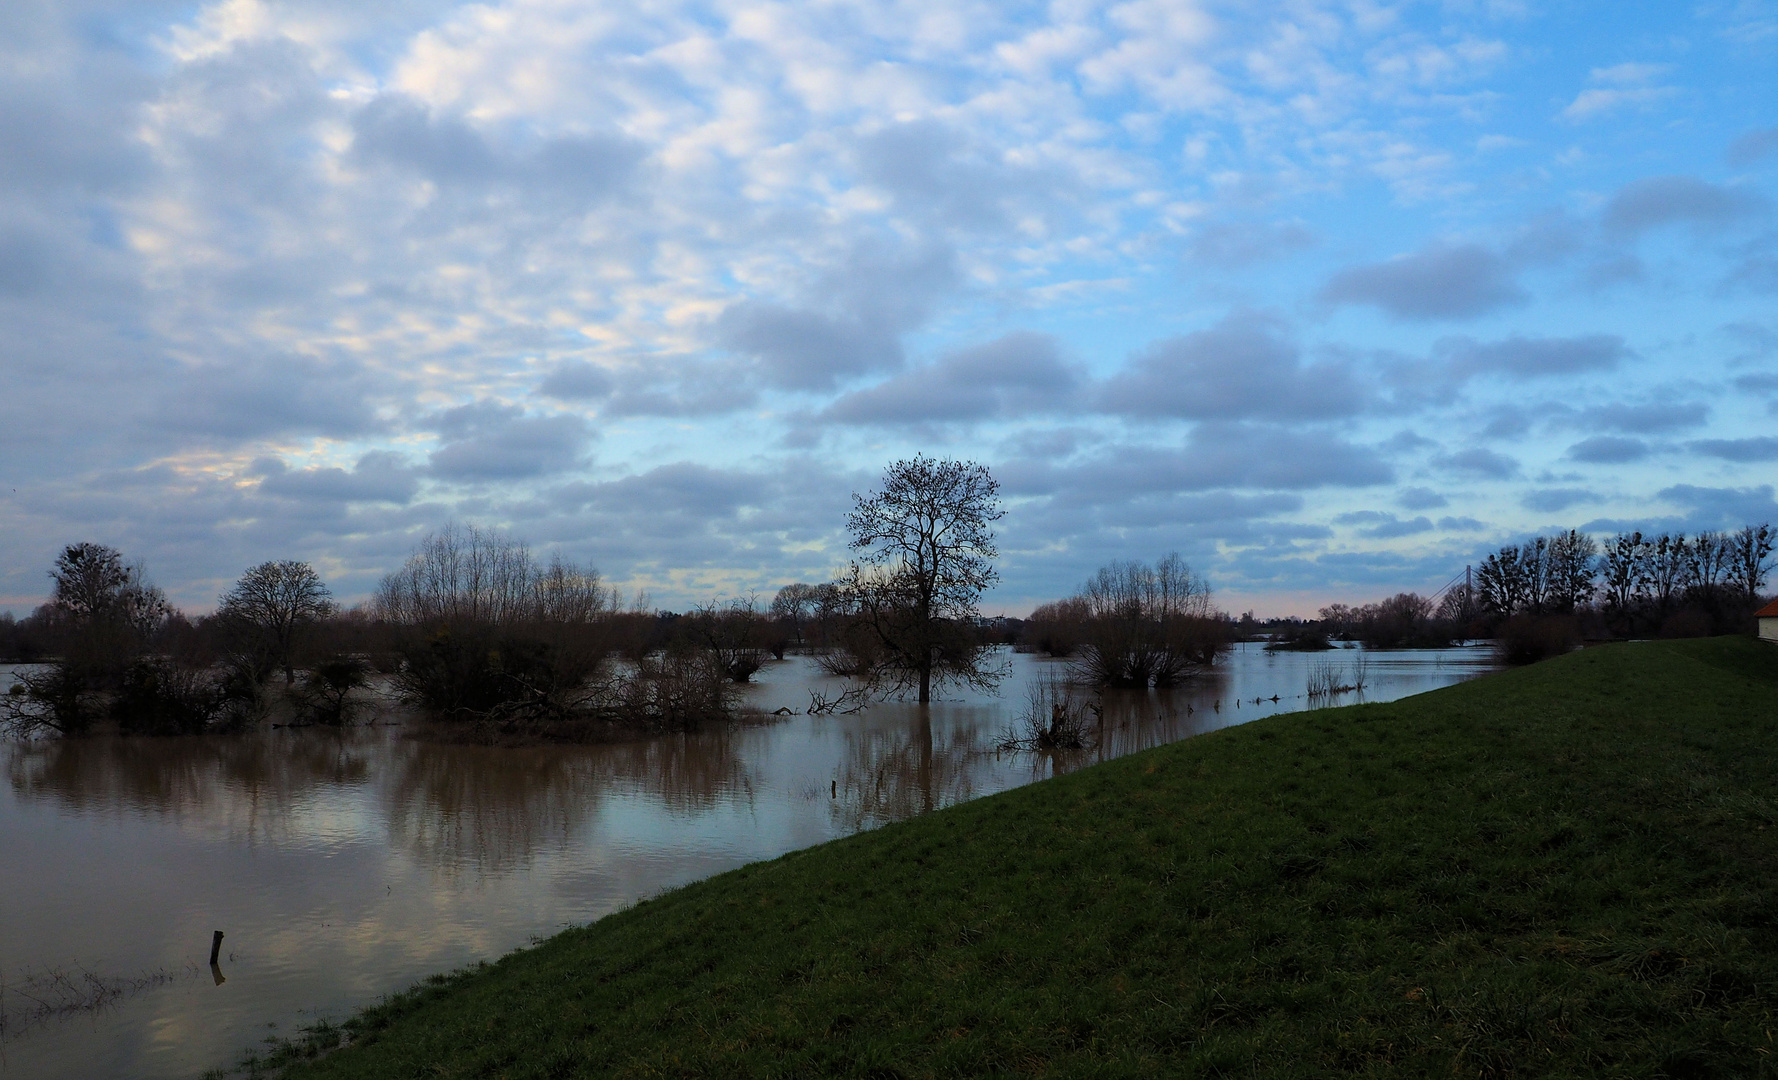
(345, 866)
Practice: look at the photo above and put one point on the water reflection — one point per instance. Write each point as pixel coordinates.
(344, 865)
(893, 772)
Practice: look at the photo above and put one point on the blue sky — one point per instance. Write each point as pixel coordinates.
(1328, 297)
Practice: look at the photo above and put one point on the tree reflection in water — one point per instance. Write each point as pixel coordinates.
(249, 783)
(491, 809)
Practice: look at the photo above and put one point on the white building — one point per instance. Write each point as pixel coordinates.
(1768, 621)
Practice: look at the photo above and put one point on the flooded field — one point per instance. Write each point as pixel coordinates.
(344, 866)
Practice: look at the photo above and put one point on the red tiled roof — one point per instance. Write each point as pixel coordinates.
(1770, 611)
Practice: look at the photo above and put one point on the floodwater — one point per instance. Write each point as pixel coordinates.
(345, 866)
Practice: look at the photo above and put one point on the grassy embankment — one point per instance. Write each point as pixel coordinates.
(1562, 870)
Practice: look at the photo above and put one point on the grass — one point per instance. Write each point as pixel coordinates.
(1562, 870)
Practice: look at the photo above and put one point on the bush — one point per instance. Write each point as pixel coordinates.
(1147, 625)
(57, 698)
(1526, 639)
(325, 694)
(1054, 719)
(159, 697)
(675, 691)
(1056, 628)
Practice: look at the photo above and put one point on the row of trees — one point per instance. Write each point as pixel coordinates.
(1630, 584)
(1562, 572)
(1557, 589)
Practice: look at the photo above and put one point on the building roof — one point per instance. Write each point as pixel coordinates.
(1770, 611)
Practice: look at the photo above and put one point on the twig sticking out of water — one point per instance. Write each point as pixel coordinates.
(1054, 719)
(852, 699)
(1326, 680)
(57, 994)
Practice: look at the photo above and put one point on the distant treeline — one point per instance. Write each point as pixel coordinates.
(475, 630)
(1554, 591)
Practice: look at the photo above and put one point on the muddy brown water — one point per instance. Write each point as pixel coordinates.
(345, 866)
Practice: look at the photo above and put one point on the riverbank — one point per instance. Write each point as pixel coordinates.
(1563, 869)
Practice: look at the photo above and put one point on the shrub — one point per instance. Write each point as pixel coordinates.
(1056, 628)
(56, 698)
(1147, 625)
(325, 694)
(159, 697)
(1054, 719)
(1526, 639)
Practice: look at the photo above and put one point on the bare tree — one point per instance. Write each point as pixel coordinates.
(1626, 570)
(276, 601)
(1501, 581)
(1709, 556)
(926, 544)
(1570, 560)
(1669, 562)
(93, 586)
(796, 605)
(1750, 551)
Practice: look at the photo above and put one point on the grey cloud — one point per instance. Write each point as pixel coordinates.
(1407, 441)
(1461, 524)
(1751, 147)
(490, 441)
(934, 173)
(1662, 200)
(1445, 281)
(1608, 450)
(249, 398)
(683, 517)
(1533, 357)
(1015, 375)
(1241, 368)
(378, 476)
(868, 302)
(677, 489)
(1758, 384)
(1550, 500)
(1378, 525)
(1232, 246)
(1645, 419)
(1723, 508)
(1506, 423)
(1215, 455)
(28, 262)
(69, 128)
(1419, 498)
(577, 380)
(397, 130)
(1478, 462)
(1759, 448)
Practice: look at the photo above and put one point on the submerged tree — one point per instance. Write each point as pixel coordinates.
(1147, 625)
(273, 603)
(926, 554)
(101, 617)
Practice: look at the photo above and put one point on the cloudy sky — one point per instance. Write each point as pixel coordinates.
(1327, 296)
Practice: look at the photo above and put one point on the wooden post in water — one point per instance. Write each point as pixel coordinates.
(834, 792)
(215, 946)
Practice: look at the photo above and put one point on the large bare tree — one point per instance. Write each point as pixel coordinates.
(275, 601)
(926, 554)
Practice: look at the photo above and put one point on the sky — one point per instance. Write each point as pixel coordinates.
(1331, 298)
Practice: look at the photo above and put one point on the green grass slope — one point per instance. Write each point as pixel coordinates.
(1564, 870)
